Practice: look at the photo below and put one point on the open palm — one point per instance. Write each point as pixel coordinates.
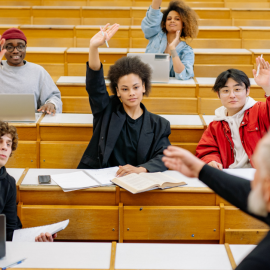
(2, 53)
(263, 78)
(98, 39)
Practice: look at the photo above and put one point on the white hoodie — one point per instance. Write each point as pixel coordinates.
(240, 156)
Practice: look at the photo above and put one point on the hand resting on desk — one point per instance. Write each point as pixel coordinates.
(48, 108)
(128, 169)
(45, 237)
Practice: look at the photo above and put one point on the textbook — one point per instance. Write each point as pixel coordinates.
(136, 183)
(29, 234)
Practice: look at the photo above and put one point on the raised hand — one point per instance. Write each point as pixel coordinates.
(263, 78)
(98, 39)
(2, 50)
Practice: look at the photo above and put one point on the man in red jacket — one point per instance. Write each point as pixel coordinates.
(230, 140)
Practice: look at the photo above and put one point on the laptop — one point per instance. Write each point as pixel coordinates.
(159, 63)
(17, 108)
(2, 236)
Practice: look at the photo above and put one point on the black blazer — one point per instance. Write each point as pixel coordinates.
(108, 123)
(236, 190)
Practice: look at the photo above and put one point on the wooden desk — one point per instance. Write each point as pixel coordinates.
(211, 62)
(60, 15)
(115, 214)
(27, 153)
(77, 58)
(49, 35)
(178, 256)
(84, 33)
(62, 255)
(15, 14)
(52, 59)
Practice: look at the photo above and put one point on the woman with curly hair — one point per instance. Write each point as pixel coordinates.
(164, 32)
(125, 134)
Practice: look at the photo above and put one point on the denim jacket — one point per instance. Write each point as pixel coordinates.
(158, 43)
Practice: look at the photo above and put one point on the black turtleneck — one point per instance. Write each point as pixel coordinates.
(8, 203)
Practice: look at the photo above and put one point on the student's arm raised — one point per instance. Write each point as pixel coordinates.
(156, 4)
(263, 78)
(98, 40)
(95, 83)
(2, 50)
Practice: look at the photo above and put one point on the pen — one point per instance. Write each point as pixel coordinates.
(103, 36)
(258, 70)
(4, 268)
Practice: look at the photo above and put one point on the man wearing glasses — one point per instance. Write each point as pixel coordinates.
(20, 76)
(230, 140)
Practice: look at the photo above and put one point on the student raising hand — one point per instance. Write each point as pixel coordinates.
(263, 78)
(98, 40)
(2, 50)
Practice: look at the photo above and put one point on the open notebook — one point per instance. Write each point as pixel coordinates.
(85, 179)
(136, 183)
(29, 234)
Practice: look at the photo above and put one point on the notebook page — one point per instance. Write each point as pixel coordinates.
(75, 180)
(136, 181)
(159, 178)
(103, 176)
(29, 234)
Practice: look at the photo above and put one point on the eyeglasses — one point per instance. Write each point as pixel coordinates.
(11, 48)
(237, 92)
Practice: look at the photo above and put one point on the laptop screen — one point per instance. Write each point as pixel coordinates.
(2, 236)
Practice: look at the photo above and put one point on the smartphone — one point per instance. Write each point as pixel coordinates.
(44, 179)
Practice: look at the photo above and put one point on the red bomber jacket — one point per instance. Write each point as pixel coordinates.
(216, 143)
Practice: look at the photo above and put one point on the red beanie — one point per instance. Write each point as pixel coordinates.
(14, 33)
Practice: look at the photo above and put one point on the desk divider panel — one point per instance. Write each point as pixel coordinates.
(86, 222)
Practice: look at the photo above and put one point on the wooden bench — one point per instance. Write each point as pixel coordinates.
(52, 59)
(77, 58)
(102, 15)
(61, 15)
(256, 37)
(49, 35)
(258, 53)
(15, 15)
(83, 34)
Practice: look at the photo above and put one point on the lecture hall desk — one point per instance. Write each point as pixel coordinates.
(175, 97)
(114, 255)
(110, 213)
(65, 137)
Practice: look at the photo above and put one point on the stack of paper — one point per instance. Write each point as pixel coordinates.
(85, 179)
(29, 234)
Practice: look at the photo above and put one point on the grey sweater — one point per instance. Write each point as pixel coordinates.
(30, 79)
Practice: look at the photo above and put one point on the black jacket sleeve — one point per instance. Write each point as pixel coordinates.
(232, 188)
(155, 164)
(10, 210)
(96, 89)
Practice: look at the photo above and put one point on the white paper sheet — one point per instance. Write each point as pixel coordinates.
(74, 181)
(29, 234)
(103, 176)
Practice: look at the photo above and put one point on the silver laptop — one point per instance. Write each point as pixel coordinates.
(2, 236)
(159, 63)
(17, 107)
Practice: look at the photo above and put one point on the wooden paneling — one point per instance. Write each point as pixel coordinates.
(25, 155)
(186, 135)
(236, 219)
(15, 15)
(35, 195)
(170, 197)
(245, 237)
(61, 155)
(171, 223)
(85, 222)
